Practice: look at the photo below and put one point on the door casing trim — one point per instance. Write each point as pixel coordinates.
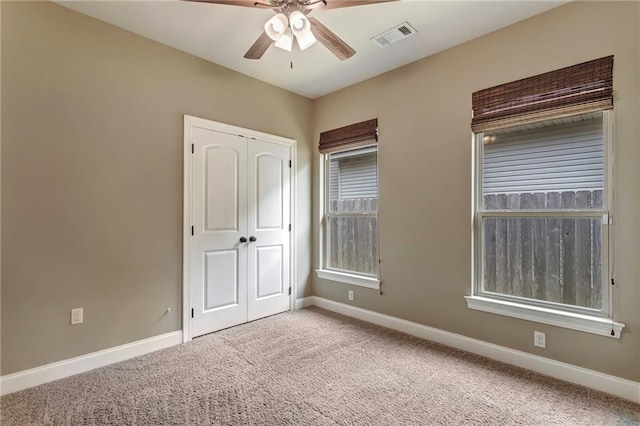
(189, 123)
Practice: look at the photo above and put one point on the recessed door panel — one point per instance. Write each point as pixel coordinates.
(269, 191)
(221, 279)
(221, 188)
(269, 271)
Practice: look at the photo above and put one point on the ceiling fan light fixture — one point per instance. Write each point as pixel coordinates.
(297, 22)
(276, 27)
(301, 28)
(305, 40)
(285, 41)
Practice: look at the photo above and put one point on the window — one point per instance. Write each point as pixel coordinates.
(350, 206)
(542, 208)
(351, 212)
(540, 220)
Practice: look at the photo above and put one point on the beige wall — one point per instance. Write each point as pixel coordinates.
(425, 177)
(92, 177)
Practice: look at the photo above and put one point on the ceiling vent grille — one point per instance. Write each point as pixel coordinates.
(397, 33)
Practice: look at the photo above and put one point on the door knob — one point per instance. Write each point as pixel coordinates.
(243, 240)
(253, 239)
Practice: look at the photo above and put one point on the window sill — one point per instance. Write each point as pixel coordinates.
(346, 278)
(574, 321)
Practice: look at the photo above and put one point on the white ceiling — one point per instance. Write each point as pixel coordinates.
(222, 34)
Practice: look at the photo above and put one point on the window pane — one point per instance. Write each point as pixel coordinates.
(548, 259)
(353, 244)
(353, 181)
(557, 164)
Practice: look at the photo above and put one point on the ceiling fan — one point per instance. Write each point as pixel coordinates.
(291, 22)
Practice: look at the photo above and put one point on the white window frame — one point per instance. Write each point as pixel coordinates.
(597, 321)
(333, 274)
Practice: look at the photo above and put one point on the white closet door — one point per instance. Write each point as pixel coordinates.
(239, 253)
(218, 270)
(268, 216)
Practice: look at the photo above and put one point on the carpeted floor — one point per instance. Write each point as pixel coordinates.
(312, 367)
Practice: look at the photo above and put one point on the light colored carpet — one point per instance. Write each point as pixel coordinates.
(312, 367)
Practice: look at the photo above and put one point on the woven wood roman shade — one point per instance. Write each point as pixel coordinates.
(349, 137)
(577, 89)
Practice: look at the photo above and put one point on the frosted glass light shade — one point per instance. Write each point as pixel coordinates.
(297, 20)
(301, 28)
(276, 27)
(305, 40)
(286, 40)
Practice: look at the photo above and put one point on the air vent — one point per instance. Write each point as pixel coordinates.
(398, 33)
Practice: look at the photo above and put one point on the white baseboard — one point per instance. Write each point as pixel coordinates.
(613, 385)
(69, 367)
(603, 382)
(304, 302)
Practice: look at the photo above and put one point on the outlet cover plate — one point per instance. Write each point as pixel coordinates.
(539, 339)
(77, 316)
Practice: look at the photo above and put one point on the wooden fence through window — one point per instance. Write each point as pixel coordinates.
(353, 241)
(551, 259)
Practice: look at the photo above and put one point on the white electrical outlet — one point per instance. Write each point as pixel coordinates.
(77, 316)
(539, 339)
(351, 295)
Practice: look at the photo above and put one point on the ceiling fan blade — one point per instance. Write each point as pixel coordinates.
(259, 47)
(330, 40)
(246, 3)
(336, 4)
